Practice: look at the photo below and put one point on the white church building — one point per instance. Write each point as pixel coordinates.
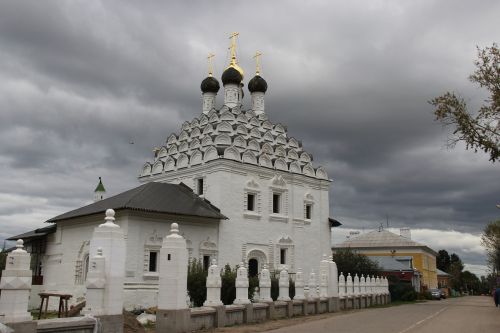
(240, 187)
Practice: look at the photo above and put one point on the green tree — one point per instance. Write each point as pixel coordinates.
(443, 261)
(479, 131)
(490, 239)
(196, 282)
(3, 258)
(456, 268)
(355, 263)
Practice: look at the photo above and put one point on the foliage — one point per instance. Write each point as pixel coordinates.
(490, 239)
(355, 263)
(443, 261)
(228, 290)
(196, 282)
(253, 282)
(480, 131)
(3, 258)
(401, 291)
(275, 289)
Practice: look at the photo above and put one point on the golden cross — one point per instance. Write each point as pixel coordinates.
(257, 62)
(233, 47)
(210, 66)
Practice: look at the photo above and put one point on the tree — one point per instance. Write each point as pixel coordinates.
(443, 261)
(350, 262)
(482, 130)
(490, 239)
(456, 268)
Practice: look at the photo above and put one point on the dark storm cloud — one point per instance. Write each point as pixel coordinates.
(80, 81)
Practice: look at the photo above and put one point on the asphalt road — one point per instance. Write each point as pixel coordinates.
(471, 314)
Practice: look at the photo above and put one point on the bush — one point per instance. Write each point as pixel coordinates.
(253, 282)
(228, 290)
(275, 288)
(401, 291)
(196, 282)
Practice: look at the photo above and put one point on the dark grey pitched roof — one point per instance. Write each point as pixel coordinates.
(151, 197)
(34, 234)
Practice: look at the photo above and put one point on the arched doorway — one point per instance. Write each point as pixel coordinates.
(256, 259)
(253, 267)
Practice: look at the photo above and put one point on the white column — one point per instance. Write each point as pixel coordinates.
(214, 283)
(208, 102)
(333, 281)
(371, 285)
(96, 284)
(241, 285)
(299, 285)
(284, 285)
(16, 286)
(363, 285)
(349, 286)
(356, 285)
(109, 237)
(231, 95)
(172, 284)
(342, 293)
(265, 285)
(312, 285)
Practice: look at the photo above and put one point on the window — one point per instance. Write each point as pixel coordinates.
(251, 202)
(282, 256)
(206, 262)
(308, 211)
(153, 261)
(199, 186)
(276, 203)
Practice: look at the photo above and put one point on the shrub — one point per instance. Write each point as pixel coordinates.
(228, 290)
(196, 282)
(275, 288)
(401, 291)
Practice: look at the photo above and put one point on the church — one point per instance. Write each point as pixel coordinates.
(240, 187)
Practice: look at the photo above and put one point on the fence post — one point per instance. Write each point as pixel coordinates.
(109, 237)
(173, 315)
(15, 288)
(284, 284)
(96, 283)
(265, 285)
(214, 283)
(241, 285)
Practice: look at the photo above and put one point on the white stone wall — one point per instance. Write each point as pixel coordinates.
(142, 233)
(225, 184)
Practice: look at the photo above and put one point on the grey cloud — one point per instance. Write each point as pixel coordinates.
(79, 80)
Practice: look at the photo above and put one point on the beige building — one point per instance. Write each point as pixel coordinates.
(385, 243)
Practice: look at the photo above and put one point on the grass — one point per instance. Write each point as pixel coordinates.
(50, 315)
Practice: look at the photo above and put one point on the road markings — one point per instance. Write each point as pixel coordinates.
(425, 319)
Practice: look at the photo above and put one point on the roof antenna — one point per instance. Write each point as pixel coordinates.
(381, 227)
(387, 219)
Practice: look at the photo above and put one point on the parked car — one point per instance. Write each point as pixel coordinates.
(435, 293)
(443, 294)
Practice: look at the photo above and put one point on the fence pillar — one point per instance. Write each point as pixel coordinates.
(15, 288)
(241, 285)
(265, 285)
(284, 284)
(173, 314)
(299, 285)
(312, 286)
(96, 283)
(214, 283)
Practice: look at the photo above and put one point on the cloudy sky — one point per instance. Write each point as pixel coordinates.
(80, 80)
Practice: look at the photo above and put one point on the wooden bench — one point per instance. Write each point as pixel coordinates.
(63, 303)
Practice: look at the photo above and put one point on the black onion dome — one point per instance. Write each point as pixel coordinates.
(210, 84)
(231, 76)
(257, 83)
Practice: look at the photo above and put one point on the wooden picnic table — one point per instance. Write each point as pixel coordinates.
(63, 303)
